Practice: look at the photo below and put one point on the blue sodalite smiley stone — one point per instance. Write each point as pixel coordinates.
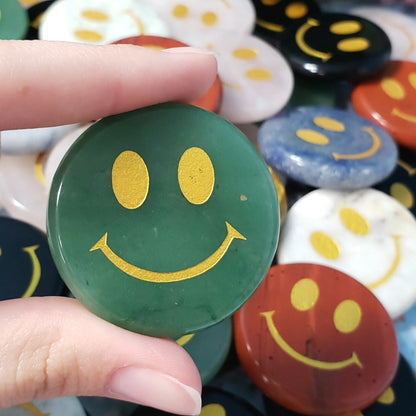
(327, 148)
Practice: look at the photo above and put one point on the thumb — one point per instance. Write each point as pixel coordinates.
(53, 347)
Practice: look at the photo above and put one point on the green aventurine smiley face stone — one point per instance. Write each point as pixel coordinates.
(163, 220)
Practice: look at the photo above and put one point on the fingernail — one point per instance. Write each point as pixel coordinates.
(188, 49)
(154, 389)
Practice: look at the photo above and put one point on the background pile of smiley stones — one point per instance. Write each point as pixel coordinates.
(318, 93)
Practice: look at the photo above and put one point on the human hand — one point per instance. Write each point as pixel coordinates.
(53, 346)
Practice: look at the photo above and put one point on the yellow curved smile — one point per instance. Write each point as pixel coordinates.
(408, 117)
(322, 365)
(168, 277)
(300, 40)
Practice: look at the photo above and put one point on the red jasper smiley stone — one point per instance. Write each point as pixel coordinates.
(389, 100)
(211, 100)
(316, 341)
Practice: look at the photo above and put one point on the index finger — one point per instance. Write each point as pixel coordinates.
(52, 83)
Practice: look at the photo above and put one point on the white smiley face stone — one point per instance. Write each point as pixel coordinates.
(99, 22)
(189, 19)
(257, 81)
(365, 234)
(400, 29)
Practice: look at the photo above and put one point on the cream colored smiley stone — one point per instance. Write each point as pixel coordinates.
(188, 19)
(100, 22)
(366, 234)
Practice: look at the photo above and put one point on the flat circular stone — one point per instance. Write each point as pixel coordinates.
(328, 148)
(62, 406)
(336, 46)
(22, 188)
(161, 231)
(331, 364)
(188, 19)
(211, 100)
(400, 28)
(26, 265)
(209, 348)
(389, 100)
(14, 20)
(32, 141)
(257, 81)
(98, 22)
(406, 335)
(365, 234)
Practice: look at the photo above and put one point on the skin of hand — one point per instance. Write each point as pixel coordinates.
(52, 346)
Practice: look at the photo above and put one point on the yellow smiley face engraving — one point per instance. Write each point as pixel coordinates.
(130, 181)
(320, 139)
(327, 247)
(347, 317)
(32, 409)
(342, 28)
(394, 89)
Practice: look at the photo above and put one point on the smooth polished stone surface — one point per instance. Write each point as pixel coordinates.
(189, 19)
(336, 46)
(35, 13)
(55, 154)
(97, 22)
(273, 18)
(32, 141)
(398, 399)
(401, 184)
(63, 406)
(327, 148)
(330, 363)
(366, 234)
(26, 265)
(211, 100)
(400, 28)
(22, 188)
(256, 79)
(160, 231)
(14, 20)
(209, 348)
(389, 100)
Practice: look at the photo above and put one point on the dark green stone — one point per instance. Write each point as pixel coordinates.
(166, 233)
(14, 20)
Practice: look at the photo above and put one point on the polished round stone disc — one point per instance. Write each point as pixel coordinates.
(163, 220)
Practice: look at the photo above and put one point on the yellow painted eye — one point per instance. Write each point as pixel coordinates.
(412, 79)
(304, 295)
(329, 124)
(347, 27)
(95, 15)
(388, 397)
(353, 45)
(180, 11)
(184, 339)
(130, 179)
(245, 53)
(296, 10)
(347, 316)
(196, 175)
(258, 74)
(325, 245)
(403, 194)
(393, 88)
(209, 19)
(213, 409)
(88, 35)
(312, 136)
(353, 221)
